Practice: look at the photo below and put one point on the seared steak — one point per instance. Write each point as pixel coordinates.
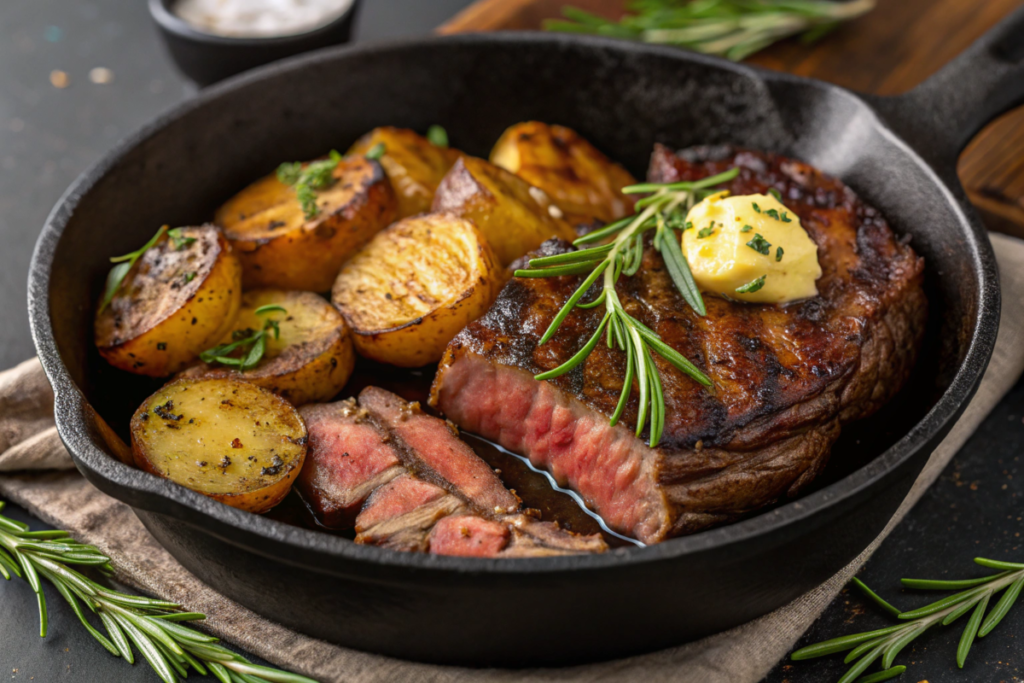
(785, 378)
(399, 475)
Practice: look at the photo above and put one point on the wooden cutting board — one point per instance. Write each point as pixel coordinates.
(888, 51)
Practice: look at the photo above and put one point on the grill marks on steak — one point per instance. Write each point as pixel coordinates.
(785, 378)
(399, 475)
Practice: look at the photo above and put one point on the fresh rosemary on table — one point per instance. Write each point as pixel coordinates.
(251, 343)
(728, 28)
(663, 211)
(974, 597)
(154, 627)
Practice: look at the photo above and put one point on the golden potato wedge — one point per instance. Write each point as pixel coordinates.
(309, 359)
(584, 183)
(178, 299)
(514, 216)
(232, 441)
(414, 165)
(279, 247)
(414, 286)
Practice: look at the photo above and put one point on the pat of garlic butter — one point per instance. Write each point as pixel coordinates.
(732, 241)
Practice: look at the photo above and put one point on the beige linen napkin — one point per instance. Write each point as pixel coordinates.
(743, 655)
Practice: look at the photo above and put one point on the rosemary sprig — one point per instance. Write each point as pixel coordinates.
(124, 263)
(664, 211)
(974, 597)
(728, 28)
(154, 627)
(251, 343)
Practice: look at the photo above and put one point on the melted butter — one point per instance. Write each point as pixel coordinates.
(735, 241)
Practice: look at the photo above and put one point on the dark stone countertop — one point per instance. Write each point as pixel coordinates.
(48, 135)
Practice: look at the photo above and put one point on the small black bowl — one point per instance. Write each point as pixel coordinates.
(207, 58)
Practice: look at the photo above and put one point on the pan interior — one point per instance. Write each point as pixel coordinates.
(623, 100)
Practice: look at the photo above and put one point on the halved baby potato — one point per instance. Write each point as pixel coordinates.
(514, 216)
(415, 166)
(309, 360)
(179, 298)
(232, 441)
(415, 286)
(584, 183)
(279, 247)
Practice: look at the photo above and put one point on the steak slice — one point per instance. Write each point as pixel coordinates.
(436, 452)
(785, 377)
(347, 459)
(400, 514)
(413, 472)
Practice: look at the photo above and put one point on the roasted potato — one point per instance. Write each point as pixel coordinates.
(279, 247)
(514, 216)
(583, 183)
(414, 165)
(309, 358)
(414, 286)
(232, 441)
(178, 299)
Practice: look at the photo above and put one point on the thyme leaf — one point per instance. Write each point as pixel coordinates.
(124, 263)
(249, 345)
(308, 178)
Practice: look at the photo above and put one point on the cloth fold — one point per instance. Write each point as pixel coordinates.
(37, 473)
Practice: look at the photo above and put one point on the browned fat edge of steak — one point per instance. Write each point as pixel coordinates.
(785, 377)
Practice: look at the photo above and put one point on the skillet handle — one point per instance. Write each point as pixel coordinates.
(939, 117)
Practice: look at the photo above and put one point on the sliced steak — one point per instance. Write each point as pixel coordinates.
(400, 514)
(347, 459)
(435, 451)
(413, 473)
(469, 536)
(785, 377)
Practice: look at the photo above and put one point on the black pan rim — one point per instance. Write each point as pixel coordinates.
(71, 405)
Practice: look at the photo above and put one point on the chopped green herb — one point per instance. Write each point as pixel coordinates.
(377, 151)
(760, 244)
(778, 254)
(785, 218)
(250, 343)
(178, 239)
(308, 179)
(773, 213)
(746, 228)
(752, 286)
(706, 232)
(124, 263)
(756, 207)
(688, 226)
(437, 136)
(189, 277)
(775, 193)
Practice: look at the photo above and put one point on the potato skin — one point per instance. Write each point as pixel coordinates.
(278, 247)
(514, 217)
(232, 441)
(584, 183)
(415, 286)
(173, 304)
(311, 360)
(413, 164)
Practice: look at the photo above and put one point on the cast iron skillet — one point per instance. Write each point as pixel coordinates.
(898, 153)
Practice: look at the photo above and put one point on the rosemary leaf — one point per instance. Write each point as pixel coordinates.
(877, 599)
(881, 676)
(1001, 608)
(967, 639)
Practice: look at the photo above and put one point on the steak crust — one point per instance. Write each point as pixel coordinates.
(785, 377)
